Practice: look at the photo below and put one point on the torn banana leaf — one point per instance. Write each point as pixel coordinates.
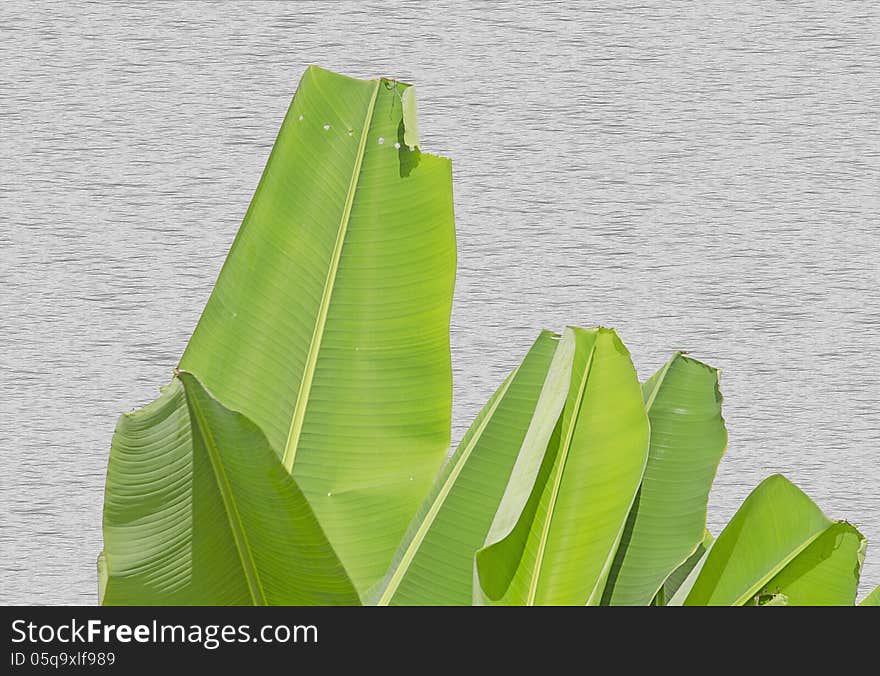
(199, 510)
(668, 518)
(562, 515)
(434, 564)
(328, 326)
(826, 573)
(780, 543)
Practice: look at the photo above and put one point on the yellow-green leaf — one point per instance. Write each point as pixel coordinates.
(779, 542)
(563, 512)
(329, 323)
(668, 518)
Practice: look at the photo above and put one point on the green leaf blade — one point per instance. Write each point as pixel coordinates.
(826, 573)
(776, 523)
(564, 539)
(147, 557)
(329, 323)
(668, 518)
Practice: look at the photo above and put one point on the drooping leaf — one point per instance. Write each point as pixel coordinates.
(328, 326)
(434, 564)
(668, 518)
(199, 510)
(563, 513)
(872, 599)
(779, 542)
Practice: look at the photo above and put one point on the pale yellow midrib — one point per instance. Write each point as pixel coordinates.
(779, 567)
(542, 545)
(305, 384)
(245, 555)
(426, 524)
(660, 381)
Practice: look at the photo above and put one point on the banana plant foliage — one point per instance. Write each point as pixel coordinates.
(778, 544)
(667, 522)
(328, 326)
(561, 518)
(199, 510)
(292, 458)
(434, 563)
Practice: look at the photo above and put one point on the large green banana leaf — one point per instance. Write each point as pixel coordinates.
(562, 515)
(328, 326)
(199, 510)
(872, 599)
(779, 543)
(668, 518)
(434, 564)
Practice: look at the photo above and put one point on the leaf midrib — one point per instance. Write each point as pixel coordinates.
(775, 570)
(660, 380)
(233, 517)
(305, 385)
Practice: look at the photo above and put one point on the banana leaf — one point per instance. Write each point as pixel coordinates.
(826, 573)
(668, 519)
(562, 515)
(780, 543)
(199, 510)
(434, 564)
(328, 326)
